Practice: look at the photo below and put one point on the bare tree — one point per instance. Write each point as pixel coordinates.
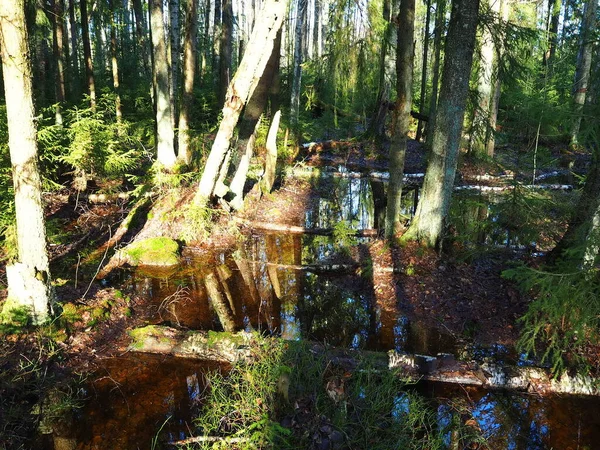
(87, 53)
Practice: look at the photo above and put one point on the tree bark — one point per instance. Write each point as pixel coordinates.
(225, 50)
(175, 64)
(140, 32)
(165, 136)
(584, 63)
(87, 54)
(424, 70)
(485, 88)
(75, 81)
(440, 14)
(241, 88)
(386, 71)
(114, 61)
(57, 19)
(189, 73)
(29, 283)
(432, 210)
(301, 8)
(216, 41)
(401, 118)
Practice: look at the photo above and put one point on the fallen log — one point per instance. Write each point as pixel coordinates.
(237, 347)
(324, 268)
(294, 229)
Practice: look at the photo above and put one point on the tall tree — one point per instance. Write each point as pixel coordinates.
(432, 210)
(225, 50)
(405, 50)
(75, 74)
(386, 71)
(301, 8)
(485, 83)
(165, 136)
(584, 63)
(440, 14)
(29, 279)
(114, 60)
(189, 73)
(87, 53)
(424, 69)
(57, 15)
(252, 66)
(175, 52)
(140, 32)
(554, 15)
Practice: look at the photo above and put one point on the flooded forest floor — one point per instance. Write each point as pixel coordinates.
(303, 263)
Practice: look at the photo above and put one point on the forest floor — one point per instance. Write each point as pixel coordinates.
(464, 297)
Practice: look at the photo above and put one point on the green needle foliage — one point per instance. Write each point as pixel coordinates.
(564, 317)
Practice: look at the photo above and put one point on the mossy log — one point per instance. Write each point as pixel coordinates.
(294, 229)
(234, 347)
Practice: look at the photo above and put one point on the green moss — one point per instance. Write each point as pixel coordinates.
(70, 313)
(160, 251)
(215, 337)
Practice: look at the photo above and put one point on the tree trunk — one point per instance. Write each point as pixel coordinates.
(554, 11)
(485, 91)
(165, 151)
(175, 64)
(268, 178)
(424, 71)
(495, 101)
(301, 7)
(115, 61)
(250, 123)
(260, 47)
(216, 41)
(87, 54)
(57, 19)
(140, 32)
(427, 224)
(75, 81)
(225, 50)
(584, 63)
(440, 14)
(29, 279)
(386, 71)
(189, 73)
(318, 31)
(401, 118)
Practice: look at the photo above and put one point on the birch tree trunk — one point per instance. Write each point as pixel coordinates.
(485, 85)
(29, 284)
(165, 151)
(584, 63)
(297, 64)
(189, 73)
(87, 54)
(318, 30)
(401, 119)
(175, 64)
(114, 61)
(252, 66)
(432, 210)
(250, 123)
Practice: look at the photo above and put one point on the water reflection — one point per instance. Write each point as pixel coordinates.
(514, 421)
(135, 399)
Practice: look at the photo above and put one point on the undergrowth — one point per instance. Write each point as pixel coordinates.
(293, 397)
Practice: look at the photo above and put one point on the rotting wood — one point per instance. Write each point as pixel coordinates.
(294, 229)
(238, 347)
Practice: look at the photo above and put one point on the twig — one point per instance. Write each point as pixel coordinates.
(99, 266)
